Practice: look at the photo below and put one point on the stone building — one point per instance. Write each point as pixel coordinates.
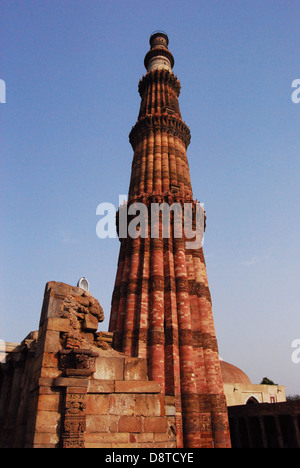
(161, 306)
(259, 415)
(265, 425)
(154, 380)
(65, 386)
(239, 389)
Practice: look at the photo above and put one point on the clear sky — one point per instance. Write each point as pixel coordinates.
(71, 69)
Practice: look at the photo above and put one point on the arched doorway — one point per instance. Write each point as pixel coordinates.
(252, 401)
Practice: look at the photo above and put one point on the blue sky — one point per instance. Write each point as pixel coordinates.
(71, 70)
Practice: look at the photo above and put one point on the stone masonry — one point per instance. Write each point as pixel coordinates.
(154, 380)
(65, 386)
(161, 305)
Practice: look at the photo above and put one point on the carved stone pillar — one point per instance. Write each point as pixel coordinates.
(78, 365)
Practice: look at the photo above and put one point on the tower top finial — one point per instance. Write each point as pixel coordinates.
(159, 38)
(159, 55)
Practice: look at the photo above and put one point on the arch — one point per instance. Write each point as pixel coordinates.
(252, 400)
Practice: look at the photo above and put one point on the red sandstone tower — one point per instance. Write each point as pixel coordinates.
(161, 304)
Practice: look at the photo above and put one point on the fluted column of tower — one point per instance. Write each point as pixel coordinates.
(161, 304)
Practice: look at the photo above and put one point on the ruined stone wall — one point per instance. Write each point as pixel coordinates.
(265, 425)
(16, 374)
(66, 387)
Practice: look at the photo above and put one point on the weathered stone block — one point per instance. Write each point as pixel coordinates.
(170, 410)
(97, 423)
(155, 424)
(49, 360)
(97, 404)
(137, 387)
(48, 403)
(109, 368)
(49, 372)
(135, 369)
(52, 344)
(65, 382)
(144, 437)
(97, 445)
(82, 300)
(57, 324)
(47, 421)
(120, 404)
(90, 323)
(130, 424)
(46, 438)
(104, 438)
(114, 423)
(149, 405)
(162, 437)
(101, 386)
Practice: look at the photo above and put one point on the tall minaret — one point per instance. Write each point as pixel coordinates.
(161, 304)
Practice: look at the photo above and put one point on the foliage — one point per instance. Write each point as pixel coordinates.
(292, 397)
(266, 381)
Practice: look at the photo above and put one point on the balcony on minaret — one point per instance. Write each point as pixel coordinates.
(159, 56)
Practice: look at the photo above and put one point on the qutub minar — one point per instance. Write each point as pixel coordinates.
(154, 379)
(161, 305)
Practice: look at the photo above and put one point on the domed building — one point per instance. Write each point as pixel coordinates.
(239, 389)
(259, 415)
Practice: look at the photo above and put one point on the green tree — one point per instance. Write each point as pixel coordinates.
(293, 397)
(266, 381)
